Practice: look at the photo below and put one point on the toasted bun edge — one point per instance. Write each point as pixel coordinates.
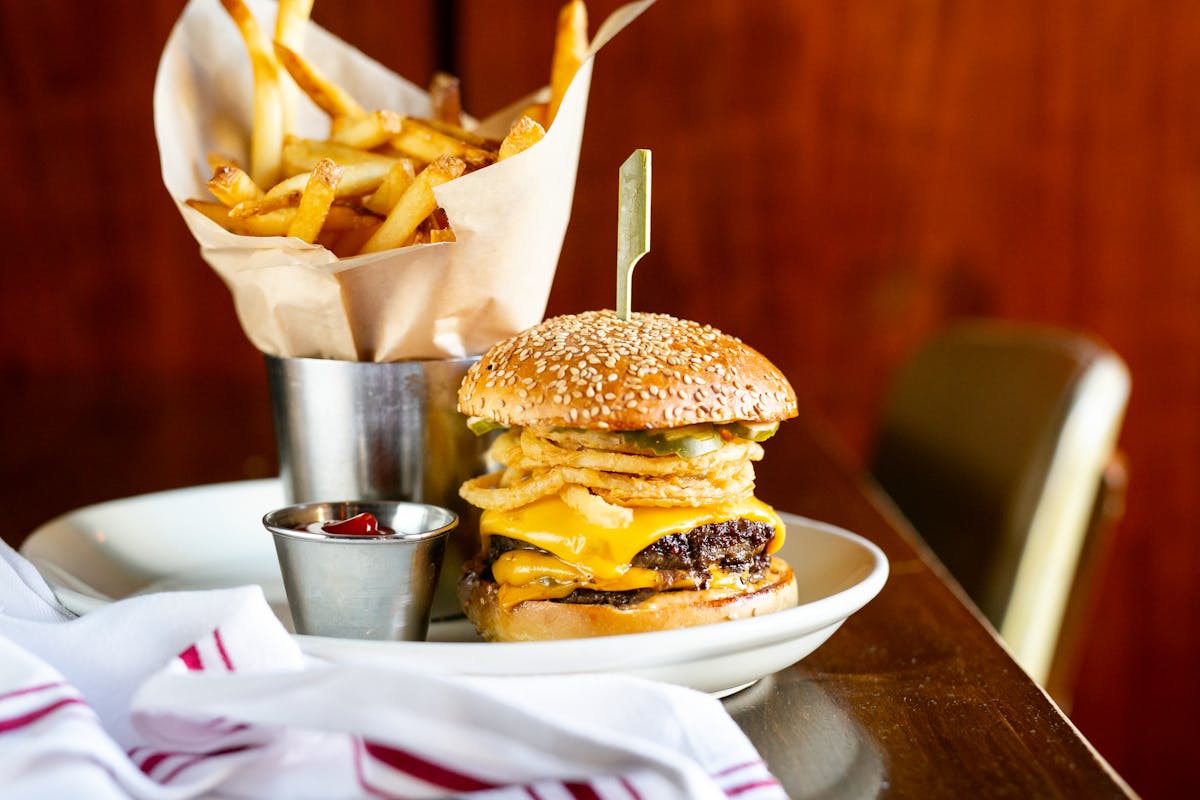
(541, 620)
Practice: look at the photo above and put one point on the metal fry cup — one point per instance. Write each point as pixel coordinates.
(354, 586)
(380, 431)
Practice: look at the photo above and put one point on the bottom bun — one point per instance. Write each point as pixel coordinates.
(539, 620)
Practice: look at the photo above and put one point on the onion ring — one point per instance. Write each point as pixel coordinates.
(485, 491)
(595, 509)
(539, 451)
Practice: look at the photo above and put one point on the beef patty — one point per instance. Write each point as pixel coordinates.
(736, 545)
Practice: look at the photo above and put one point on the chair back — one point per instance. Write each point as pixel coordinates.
(994, 442)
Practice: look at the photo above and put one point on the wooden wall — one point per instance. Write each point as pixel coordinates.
(832, 181)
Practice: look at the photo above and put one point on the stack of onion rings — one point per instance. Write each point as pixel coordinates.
(541, 461)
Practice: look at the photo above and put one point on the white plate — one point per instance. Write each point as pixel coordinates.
(210, 536)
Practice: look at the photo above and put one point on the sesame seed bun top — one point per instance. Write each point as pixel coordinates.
(594, 371)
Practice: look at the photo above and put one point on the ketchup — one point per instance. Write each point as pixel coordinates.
(364, 524)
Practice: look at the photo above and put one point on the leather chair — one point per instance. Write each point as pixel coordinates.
(997, 442)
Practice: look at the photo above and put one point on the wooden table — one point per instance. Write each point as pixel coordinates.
(912, 697)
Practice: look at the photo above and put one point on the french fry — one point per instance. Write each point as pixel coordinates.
(301, 155)
(399, 177)
(329, 97)
(341, 219)
(439, 227)
(274, 224)
(217, 212)
(362, 179)
(414, 205)
(316, 201)
(536, 112)
(217, 160)
(283, 194)
(434, 228)
(266, 137)
(346, 243)
(570, 47)
(366, 132)
(290, 21)
(421, 141)
(462, 134)
(523, 134)
(291, 18)
(445, 94)
(347, 218)
(357, 180)
(232, 186)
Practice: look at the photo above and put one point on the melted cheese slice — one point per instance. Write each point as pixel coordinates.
(580, 554)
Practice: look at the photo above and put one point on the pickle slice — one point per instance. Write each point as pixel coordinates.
(686, 442)
(481, 425)
(690, 441)
(753, 431)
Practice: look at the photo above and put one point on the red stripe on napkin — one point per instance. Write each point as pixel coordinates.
(221, 650)
(450, 779)
(32, 689)
(581, 791)
(414, 765)
(436, 774)
(627, 786)
(191, 659)
(751, 784)
(746, 787)
(170, 776)
(153, 761)
(15, 723)
(224, 725)
(736, 767)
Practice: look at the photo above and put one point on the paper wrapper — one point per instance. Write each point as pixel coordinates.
(445, 300)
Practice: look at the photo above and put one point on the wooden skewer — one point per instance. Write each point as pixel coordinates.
(633, 224)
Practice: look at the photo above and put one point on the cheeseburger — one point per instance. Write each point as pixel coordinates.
(625, 498)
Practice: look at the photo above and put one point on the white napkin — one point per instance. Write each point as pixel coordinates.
(205, 694)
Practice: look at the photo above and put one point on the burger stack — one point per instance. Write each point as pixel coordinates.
(624, 499)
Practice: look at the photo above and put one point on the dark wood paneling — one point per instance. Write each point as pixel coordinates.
(832, 181)
(400, 34)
